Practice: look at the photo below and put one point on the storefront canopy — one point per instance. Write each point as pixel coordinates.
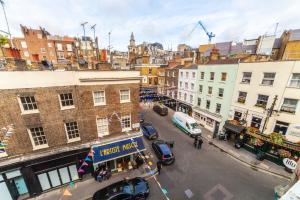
(103, 153)
(233, 128)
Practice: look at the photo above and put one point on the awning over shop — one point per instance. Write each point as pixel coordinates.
(103, 153)
(234, 128)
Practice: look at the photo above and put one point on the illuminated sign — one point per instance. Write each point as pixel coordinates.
(117, 149)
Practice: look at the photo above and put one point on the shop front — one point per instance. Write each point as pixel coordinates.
(119, 155)
(31, 177)
(208, 120)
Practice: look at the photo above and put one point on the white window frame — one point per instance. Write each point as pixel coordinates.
(39, 36)
(211, 76)
(193, 74)
(36, 147)
(246, 80)
(202, 75)
(49, 44)
(287, 106)
(181, 74)
(217, 108)
(106, 123)
(24, 112)
(208, 90)
(200, 89)
(124, 129)
(60, 55)
(69, 47)
(222, 76)
(191, 99)
(186, 74)
(99, 103)
(186, 85)
(26, 53)
(43, 50)
(221, 89)
(59, 47)
(24, 44)
(66, 107)
(192, 86)
(67, 134)
(173, 74)
(291, 79)
(268, 79)
(127, 100)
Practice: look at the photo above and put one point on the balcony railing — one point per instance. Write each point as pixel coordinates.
(288, 109)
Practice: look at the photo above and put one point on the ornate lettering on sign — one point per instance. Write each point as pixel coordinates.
(111, 150)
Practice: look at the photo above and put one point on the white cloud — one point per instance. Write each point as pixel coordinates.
(168, 21)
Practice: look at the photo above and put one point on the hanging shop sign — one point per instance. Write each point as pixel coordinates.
(289, 163)
(117, 149)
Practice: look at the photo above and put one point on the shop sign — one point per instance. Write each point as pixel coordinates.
(291, 164)
(117, 149)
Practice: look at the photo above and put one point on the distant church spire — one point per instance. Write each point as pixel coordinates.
(132, 41)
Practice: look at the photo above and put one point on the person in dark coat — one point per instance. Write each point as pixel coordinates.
(196, 141)
(158, 165)
(200, 141)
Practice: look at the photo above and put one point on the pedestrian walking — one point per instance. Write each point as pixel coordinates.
(200, 141)
(196, 141)
(158, 165)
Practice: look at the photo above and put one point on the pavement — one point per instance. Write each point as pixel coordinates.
(243, 155)
(85, 188)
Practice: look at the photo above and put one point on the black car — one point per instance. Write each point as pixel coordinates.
(149, 131)
(132, 189)
(161, 110)
(163, 152)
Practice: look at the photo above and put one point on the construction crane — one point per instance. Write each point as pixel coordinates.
(209, 34)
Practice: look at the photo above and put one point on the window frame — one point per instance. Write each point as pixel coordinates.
(69, 140)
(286, 111)
(107, 126)
(66, 107)
(291, 79)
(202, 75)
(218, 110)
(127, 100)
(36, 147)
(268, 79)
(263, 105)
(223, 73)
(125, 129)
(94, 99)
(239, 97)
(23, 111)
(221, 89)
(212, 76)
(246, 78)
(207, 107)
(209, 90)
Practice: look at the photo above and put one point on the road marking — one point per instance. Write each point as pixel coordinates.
(189, 193)
(218, 192)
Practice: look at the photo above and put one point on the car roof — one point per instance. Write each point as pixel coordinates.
(165, 148)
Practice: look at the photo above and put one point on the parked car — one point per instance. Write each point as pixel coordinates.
(149, 131)
(163, 152)
(132, 189)
(160, 109)
(186, 123)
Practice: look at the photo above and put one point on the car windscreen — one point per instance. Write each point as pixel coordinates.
(194, 125)
(165, 149)
(140, 186)
(127, 188)
(150, 129)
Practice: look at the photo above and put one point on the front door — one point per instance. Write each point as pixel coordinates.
(217, 126)
(13, 189)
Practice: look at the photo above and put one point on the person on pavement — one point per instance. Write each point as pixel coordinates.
(196, 141)
(200, 141)
(158, 165)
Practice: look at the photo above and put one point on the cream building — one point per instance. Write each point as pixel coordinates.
(261, 84)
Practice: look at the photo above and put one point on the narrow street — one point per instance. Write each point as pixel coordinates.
(207, 173)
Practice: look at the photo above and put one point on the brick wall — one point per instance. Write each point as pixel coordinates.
(52, 118)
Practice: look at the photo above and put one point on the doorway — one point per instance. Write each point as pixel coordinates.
(216, 130)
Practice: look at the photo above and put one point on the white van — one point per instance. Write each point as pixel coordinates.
(186, 123)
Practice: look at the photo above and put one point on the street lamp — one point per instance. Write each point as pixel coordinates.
(8, 30)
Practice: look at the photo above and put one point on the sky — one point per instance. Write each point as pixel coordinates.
(169, 22)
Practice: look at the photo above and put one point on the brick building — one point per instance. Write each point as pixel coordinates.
(38, 44)
(58, 116)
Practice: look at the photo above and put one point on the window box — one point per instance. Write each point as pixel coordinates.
(261, 105)
(241, 99)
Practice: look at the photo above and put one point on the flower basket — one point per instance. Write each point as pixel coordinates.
(284, 153)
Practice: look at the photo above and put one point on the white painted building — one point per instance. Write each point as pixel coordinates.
(257, 85)
(187, 89)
